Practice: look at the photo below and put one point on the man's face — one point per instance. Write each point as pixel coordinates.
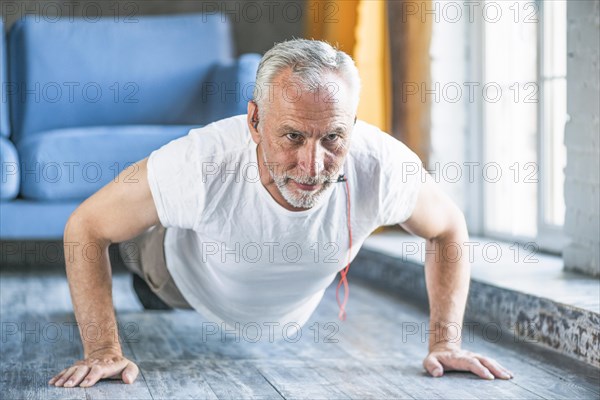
(303, 140)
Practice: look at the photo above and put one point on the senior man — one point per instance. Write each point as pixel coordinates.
(214, 214)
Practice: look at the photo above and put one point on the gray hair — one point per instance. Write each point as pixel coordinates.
(309, 60)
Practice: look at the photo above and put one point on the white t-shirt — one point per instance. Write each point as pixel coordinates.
(236, 255)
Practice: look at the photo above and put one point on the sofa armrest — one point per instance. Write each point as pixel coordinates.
(9, 170)
(229, 87)
(4, 125)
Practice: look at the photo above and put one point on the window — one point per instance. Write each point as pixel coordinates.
(523, 111)
(553, 116)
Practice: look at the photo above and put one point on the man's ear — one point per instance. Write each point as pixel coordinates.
(252, 119)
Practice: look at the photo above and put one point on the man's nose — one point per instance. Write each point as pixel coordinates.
(311, 160)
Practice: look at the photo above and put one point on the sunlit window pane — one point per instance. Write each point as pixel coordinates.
(554, 70)
(510, 106)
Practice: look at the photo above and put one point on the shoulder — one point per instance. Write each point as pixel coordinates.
(368, 142)
(216, 139)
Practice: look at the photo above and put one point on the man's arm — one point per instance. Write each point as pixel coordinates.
(119, 211)
(438, 220)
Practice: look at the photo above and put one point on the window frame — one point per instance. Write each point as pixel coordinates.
(549, 238)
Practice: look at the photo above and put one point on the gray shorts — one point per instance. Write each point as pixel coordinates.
(144, 255)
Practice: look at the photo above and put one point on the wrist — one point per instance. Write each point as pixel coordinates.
(444, 334)
(109, 348)
(98, 337)
(444, 346)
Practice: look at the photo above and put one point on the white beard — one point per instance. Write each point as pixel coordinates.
(297, 197)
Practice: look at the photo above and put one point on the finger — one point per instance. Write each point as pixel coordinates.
(92, 377)
(57, 376)
(130, 373)
(509, 372)
(77, 376)
(495, 368)
(100, 371)
(114, 371)
(65, 376)
(475, 366)
(433, 366)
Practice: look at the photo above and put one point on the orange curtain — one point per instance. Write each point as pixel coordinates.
(359, 27)
(333, 22)
(410, 40)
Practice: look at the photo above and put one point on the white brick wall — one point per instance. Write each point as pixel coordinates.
(582, 138)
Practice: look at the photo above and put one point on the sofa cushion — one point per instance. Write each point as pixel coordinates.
(74, 163)
(230, 87)
(9, 170)
(22, 219)
(71, 73)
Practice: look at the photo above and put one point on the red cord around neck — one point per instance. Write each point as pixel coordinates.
(342, 314)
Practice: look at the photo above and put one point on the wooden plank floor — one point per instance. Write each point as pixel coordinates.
(376, 353)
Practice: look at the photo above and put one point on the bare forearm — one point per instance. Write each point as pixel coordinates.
(447, 273)
(90, 282)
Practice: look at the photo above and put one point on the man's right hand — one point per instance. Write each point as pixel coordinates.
(119, 211)
(101, 365)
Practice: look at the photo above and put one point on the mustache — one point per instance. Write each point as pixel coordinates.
(328, 178)
(324, 177)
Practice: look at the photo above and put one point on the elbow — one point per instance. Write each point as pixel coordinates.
(75, 226)
(80, 227)
(457, 227)
(70, 225)
(81, 243)
(460, 221)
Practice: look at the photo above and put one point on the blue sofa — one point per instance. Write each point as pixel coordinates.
(82, 100)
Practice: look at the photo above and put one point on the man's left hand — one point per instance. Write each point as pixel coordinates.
(442, 359)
